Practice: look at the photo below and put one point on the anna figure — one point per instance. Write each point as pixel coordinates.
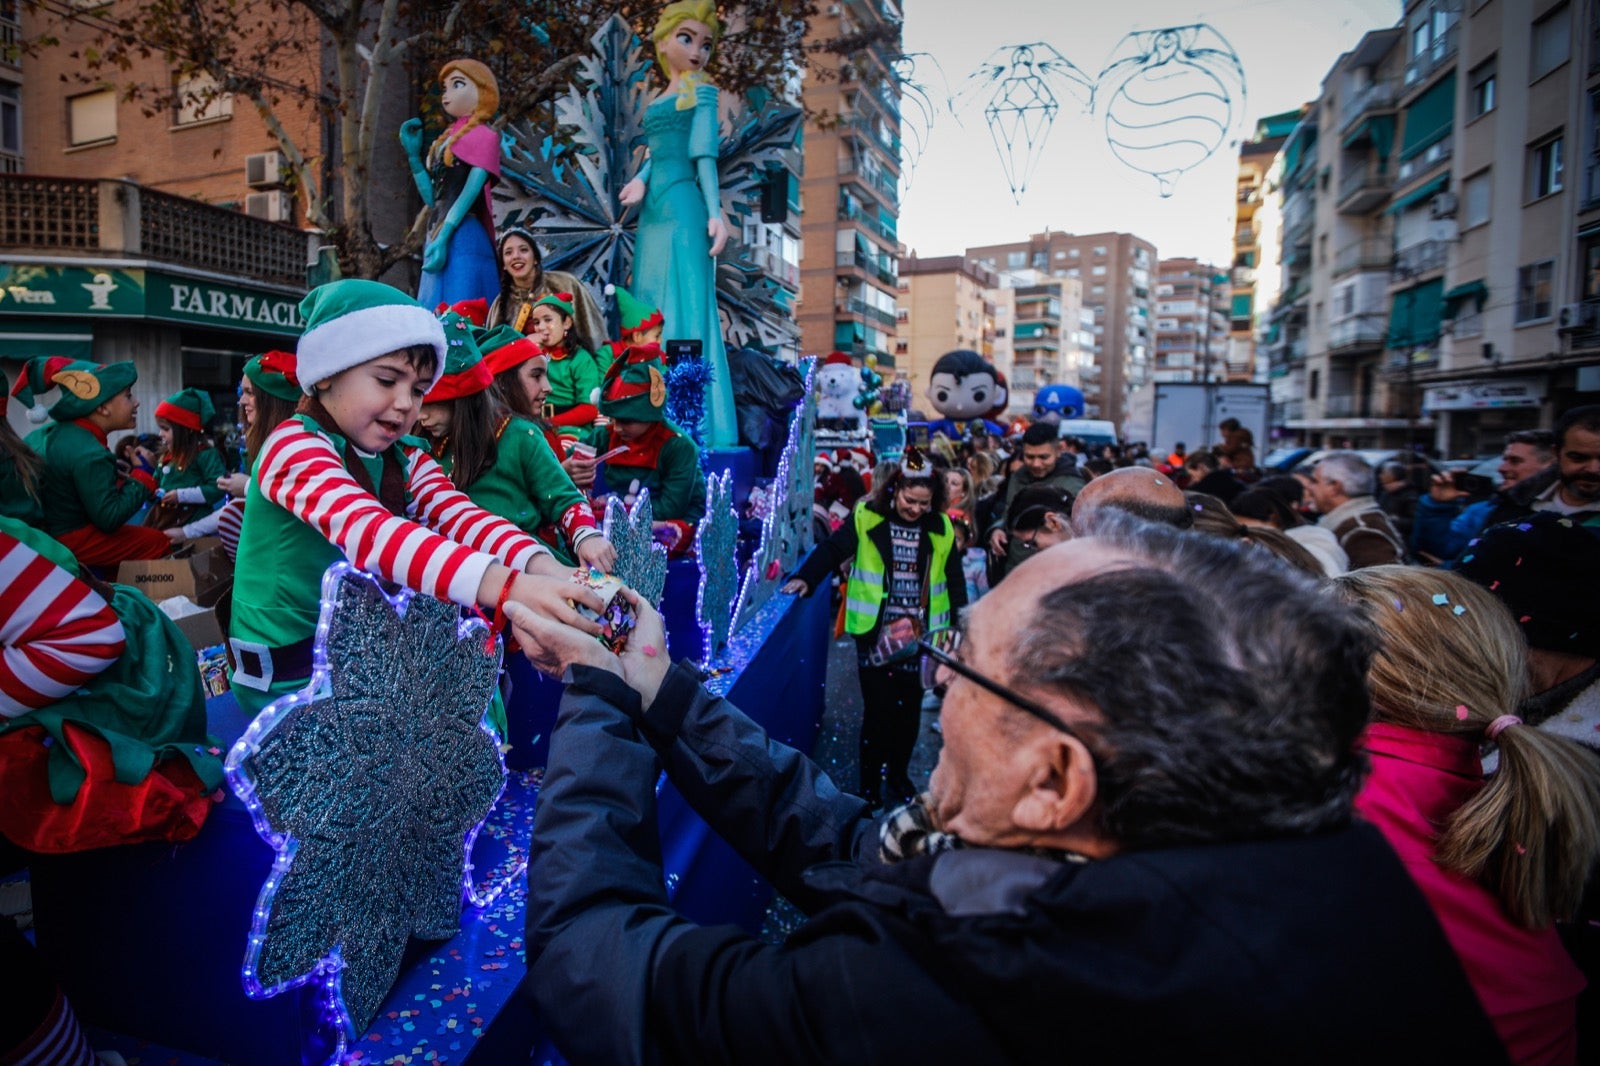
(458, 260)
(681, 229)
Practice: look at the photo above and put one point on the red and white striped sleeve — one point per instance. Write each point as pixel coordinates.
(301, 472)
(437, 503)
(230, 520)
(55, 631)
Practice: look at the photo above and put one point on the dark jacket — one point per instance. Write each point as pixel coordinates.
(1314, 949)
(841, 548)
(1064, 476)
(1443, 529)
(1219, 483)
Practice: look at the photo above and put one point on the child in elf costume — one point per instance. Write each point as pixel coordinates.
(86, 500)
(641, 325)
(575, 374)
(342, 480)
(191, 466)
(502, 462)
(657, 456)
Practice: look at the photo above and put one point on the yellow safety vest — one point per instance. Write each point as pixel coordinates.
(863, 595)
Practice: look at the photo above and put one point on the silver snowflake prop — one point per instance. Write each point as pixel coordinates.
(786, 531)
(641, 561)
(716, 549)
(370, 784)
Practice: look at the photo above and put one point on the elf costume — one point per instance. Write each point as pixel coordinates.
(195, 483)
(86, 501)
(575, 376)
(314, 499)
(525, 484)
(102, 718)
(636, 318)
(15, 499)
(663, 460)
(505, 349)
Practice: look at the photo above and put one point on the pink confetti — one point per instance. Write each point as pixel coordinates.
(772, 570)
(1493, 585)
(1462, 712)
(649, 651)
(1519, 560)
(1526, 618)
(1521, 850)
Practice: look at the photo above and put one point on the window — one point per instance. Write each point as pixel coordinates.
(1475, 200)
(1098, 271)
(92, 117)
(1481, 95)
(196, 99)
(1315, 385)
(1552, 43)
(10, 118)
(1545, 168)
(1344, 301)
(1072, 253)
(1591, 169)
(1099, 249)
(1534, 284)
(1016, 260)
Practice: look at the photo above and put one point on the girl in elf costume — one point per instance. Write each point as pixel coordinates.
(503, 463)
(342, 480)
(191, 466)
(575, 373)
(522, 382)
(87, 501)
(20, 470)
(641, 325)
(657, 456)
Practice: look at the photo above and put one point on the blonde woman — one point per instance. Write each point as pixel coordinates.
(458, 261)
(1499, 859)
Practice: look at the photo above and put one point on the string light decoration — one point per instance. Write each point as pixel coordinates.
(716, 548)
(370, 784)
(641, 561)
(786, 531)
(920, 104)
(1023, 85)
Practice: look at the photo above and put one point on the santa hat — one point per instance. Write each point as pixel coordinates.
(355, 321)
(189, 408)
(505, 349)
(634, 314)
(474, 311)
(860, 458)
(84, 386)
(637, 390)
(838, 359)
(824, 459)
(465, 372)
(275, 374)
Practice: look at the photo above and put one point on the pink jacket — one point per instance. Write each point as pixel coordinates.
(1527, 983)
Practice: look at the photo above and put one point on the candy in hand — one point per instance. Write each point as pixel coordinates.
(617, 620)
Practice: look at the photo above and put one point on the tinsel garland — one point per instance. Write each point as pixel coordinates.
(687, 381)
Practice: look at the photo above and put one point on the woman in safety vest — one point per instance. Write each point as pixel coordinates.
(905, 581)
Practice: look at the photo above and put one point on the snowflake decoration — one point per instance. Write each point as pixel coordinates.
(786, 531)
(717, 551)
(641, 561)
(370, 784)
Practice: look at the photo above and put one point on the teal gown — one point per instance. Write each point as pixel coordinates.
(672, 264)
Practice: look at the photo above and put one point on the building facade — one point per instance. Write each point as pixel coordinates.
(943, 305)
(1117, 272)
(1191, 322)
(1249, 272)
(850, 192)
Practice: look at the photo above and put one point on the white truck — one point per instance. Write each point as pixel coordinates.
(1162, 414)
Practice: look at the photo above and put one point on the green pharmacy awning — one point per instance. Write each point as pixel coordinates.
(1476, 291)
(1429, 118)
(1415, 316)
(24, 339)
(1416, 196)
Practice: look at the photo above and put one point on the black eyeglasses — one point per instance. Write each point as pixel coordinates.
(940, 646)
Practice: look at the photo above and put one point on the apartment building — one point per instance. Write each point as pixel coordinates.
(1116, 271)
(10, 89)
(1051, 335)
(1249, 273)
(944, 304)
(849, 274)
(1442, 291)
(1191, 321)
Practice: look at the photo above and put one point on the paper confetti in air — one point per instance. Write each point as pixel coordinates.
(1462, 712)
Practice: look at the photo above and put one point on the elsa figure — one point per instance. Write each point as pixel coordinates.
(458, 261)
(681, 229)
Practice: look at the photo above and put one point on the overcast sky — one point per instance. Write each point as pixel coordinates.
(959, 196)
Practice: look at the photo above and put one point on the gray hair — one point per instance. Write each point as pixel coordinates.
(1394, 470)
(1351, 471)
(1230, 691)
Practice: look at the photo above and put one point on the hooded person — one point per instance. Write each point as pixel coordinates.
(656, 455)
(87, 501)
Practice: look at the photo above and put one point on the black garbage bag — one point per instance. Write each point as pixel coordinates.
(764, 391)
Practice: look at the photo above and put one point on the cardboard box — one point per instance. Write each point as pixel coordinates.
(204, 630)
(203, 576)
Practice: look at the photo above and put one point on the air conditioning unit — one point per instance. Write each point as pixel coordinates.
(264, 170)
(272, 206)
(1443, 206)
(1574, 317)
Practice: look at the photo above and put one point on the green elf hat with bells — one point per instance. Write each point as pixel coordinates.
(84, 386)
(276, 374)
(634, 313)
(465, 372)
(355, 321)
(636, 389)
(189, 408)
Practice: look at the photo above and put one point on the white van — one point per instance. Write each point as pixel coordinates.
(1093, 432)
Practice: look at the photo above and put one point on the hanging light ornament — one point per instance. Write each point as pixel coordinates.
(914, 75)
(1023, 85)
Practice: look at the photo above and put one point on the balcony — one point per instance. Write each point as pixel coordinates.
(1368, 254)
(867, 129)
(1431, 59)
(870, 218)
(1416, 166)
(1298, 214)
(1424, 257)
(1244, 277)
(1362, 187)
(71, 216)
(875, 315)
(1375, 98)
(1360, 333)
(880, 267)
(876, 180)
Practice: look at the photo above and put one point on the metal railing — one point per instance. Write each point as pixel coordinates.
(1368, 254)
(1378, 96)
(1438, 152)
(1418, 259)
(107, 215)
(1440, 51)
(1361, 177)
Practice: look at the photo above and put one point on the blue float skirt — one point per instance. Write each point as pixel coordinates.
(468, 274)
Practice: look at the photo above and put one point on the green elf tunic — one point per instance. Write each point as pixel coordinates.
(15, 500)
(81, 486)
(195, 483)
(305, 510)
(574, 377)
(665, 461)
(526, 486)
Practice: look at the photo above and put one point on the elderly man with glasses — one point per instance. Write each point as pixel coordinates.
(1119, 858)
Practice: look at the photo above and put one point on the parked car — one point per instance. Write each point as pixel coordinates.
(1283, 460)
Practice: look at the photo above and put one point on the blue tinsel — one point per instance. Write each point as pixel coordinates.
(687, 380)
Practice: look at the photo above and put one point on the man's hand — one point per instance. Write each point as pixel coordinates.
(1443, 489)
(598, 553)
(645, 661)
(553, 597)
(997, 542)
(552, 647)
